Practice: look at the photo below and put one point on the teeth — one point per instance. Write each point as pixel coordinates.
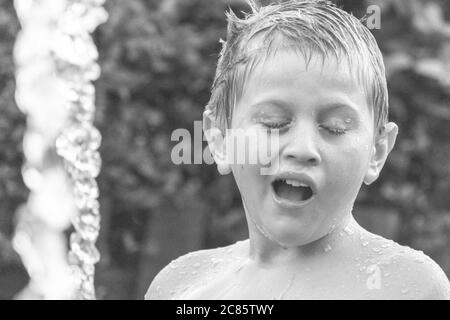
(295, 183)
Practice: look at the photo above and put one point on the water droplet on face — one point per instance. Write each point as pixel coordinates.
(387, 274)
(327, 248)
(194, 273)
(197, 264)
(404, 290)
(357, 258)
(365, 244)
(376, 249)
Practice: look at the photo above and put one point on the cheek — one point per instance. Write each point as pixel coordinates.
(247, 179)
(349, 163)
(252, 147)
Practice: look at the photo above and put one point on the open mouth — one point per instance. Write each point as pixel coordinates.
(292, 190)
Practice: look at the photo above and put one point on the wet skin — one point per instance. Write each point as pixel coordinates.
(311, 250)
(325, 131)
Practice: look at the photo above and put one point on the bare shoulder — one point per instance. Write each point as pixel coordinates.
(167, 281)
(411, 274)
(185, 271)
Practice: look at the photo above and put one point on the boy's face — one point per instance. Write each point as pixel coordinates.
(325, 142)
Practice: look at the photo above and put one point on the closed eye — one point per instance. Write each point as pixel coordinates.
(334, 130)
(276, 125)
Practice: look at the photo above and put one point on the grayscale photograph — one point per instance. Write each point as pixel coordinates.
(206, 151)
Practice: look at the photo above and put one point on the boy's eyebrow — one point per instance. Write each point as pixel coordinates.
(329, 106)
(271, 102)
(338, 105)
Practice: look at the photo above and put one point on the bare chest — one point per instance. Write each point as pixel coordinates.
(284, 283)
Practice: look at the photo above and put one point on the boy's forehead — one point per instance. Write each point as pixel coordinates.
(292, 69)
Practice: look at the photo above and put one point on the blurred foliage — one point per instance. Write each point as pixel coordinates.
(158, 61)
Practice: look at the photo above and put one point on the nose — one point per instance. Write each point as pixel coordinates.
(302, 145)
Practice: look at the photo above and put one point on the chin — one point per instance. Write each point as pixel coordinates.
(291, 236)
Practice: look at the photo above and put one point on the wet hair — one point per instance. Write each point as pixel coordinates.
(307, 27)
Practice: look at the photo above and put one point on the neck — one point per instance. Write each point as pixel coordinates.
(265, 250)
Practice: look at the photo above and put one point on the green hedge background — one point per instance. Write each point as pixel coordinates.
(158, 60)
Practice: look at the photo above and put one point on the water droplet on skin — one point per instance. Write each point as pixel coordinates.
(365, 243)
(327, 248)
(341, 234)
(215, 263)
(197, 264)
(387, 274)
(376, 249)
(385, 245)
(194, 273)
(348, 230)
(173, 266)
(404, 290)
(357, 258)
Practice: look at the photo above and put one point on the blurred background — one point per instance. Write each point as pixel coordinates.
(158, 61)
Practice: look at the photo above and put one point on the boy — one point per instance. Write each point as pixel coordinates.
(311, 76)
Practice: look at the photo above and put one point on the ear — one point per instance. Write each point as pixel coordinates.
(216, 142)
(383, 145)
